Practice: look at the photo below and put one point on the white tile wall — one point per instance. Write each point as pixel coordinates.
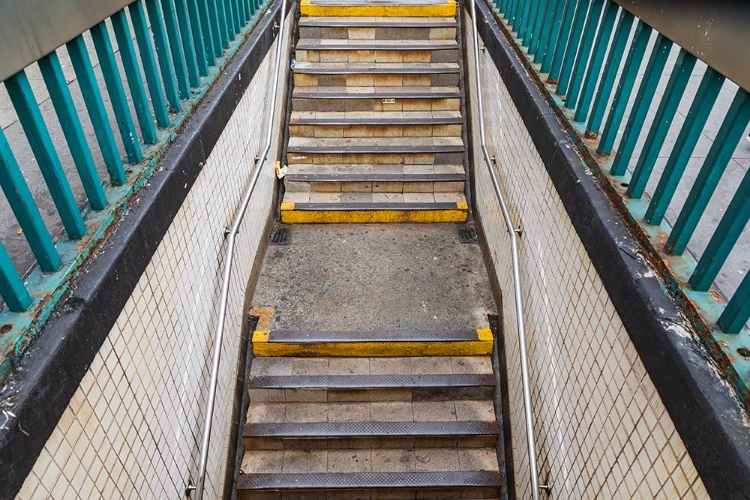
(601, 428)
(133, 428)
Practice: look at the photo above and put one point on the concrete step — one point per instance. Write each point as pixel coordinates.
(373, 434)
(376, 99)
(378, 28)
(359, 178)
(310, 74)
(376, 124)
(341, 208)
(378, 8)
(376, 150)
(380, 51)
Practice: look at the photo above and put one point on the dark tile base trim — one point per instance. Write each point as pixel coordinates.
(50, 373)
(707, 417)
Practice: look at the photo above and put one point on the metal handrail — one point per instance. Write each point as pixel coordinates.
(513, 232)
(229, 256)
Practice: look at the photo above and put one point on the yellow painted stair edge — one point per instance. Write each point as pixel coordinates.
(291, 216)
(448, 9)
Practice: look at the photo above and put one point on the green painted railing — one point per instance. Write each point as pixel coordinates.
(182, 45)
(589, 54)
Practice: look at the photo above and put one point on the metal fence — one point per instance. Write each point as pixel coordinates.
(170, 52)
(621, 86)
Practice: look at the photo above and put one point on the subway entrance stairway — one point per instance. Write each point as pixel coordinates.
(372, 374)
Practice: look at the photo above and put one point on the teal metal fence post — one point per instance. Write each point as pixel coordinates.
(72, 129)
(574, 41)
(724, 238)
(563, 35)
(541, 9)
(84, 70)
(146, 50)
(731, 131)
(608, 76)
(737, 311)
(584, 53)
(188, 46)
(206, 30)
(175, 44)
(11, 286)
(624, 88)
(133, 75)
(541, 42)
(116, 92)
(665, 114)
(41, 144)
(216, 28)
(24, 208)
(550, 42)
(166, 65)
(703, 103)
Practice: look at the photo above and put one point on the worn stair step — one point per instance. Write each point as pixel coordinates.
(378, 208)
(360, 178)
(390, 434)
(376, 124)
(356, 387)
(376, 343)
(307, 74)
(376, 99)
(380, 51)
(378, 28)
(377, 8)
(368, 474)
(381, 150)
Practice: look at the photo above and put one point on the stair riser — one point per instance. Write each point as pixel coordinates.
(377, 80)
(347, 104)
(383, 56)
(328, 131)
(372, 494)
(344, 33)
(375, 187)
(315, 395)
(452, 158)
(266, 443)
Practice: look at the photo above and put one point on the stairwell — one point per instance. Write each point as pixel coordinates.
(372, 375)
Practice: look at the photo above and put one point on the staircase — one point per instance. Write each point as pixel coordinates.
(376, 123)
(375, 136)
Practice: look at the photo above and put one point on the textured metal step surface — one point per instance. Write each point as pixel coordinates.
(376, 93)
(388, 148)
(375, 336)
(377, 121)
(370, 429)
(378, 22)
(374, 68)
(356, 3)
(333, 177)
(370, 381)
(382, 45)
(373, 206)
(369, 480)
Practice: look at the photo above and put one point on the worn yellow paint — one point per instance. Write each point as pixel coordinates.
(448, 9)
(291, 216)
(287, 205)
(462, 205)
(261, 336)
(480, 347)
(484, 334)
(264, 314)
(374, 349)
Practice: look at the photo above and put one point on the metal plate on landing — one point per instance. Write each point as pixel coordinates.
(370, 381)
(371, 429)
(364, 480)
(287, 336)
(468, 235)
(280, 235)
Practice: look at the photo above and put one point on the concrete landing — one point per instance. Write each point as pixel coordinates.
(335, 277)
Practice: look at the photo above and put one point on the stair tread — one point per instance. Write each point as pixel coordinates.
(352, 68)
(376, 170)
(374, 336)
(375, 366)
(376, 92)
(378, 22)
(375, 201)
(370, 45)
(362, 3)
(369, 480)
(374, 144)
(370, 429)
(346, 118)
(370, 381)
